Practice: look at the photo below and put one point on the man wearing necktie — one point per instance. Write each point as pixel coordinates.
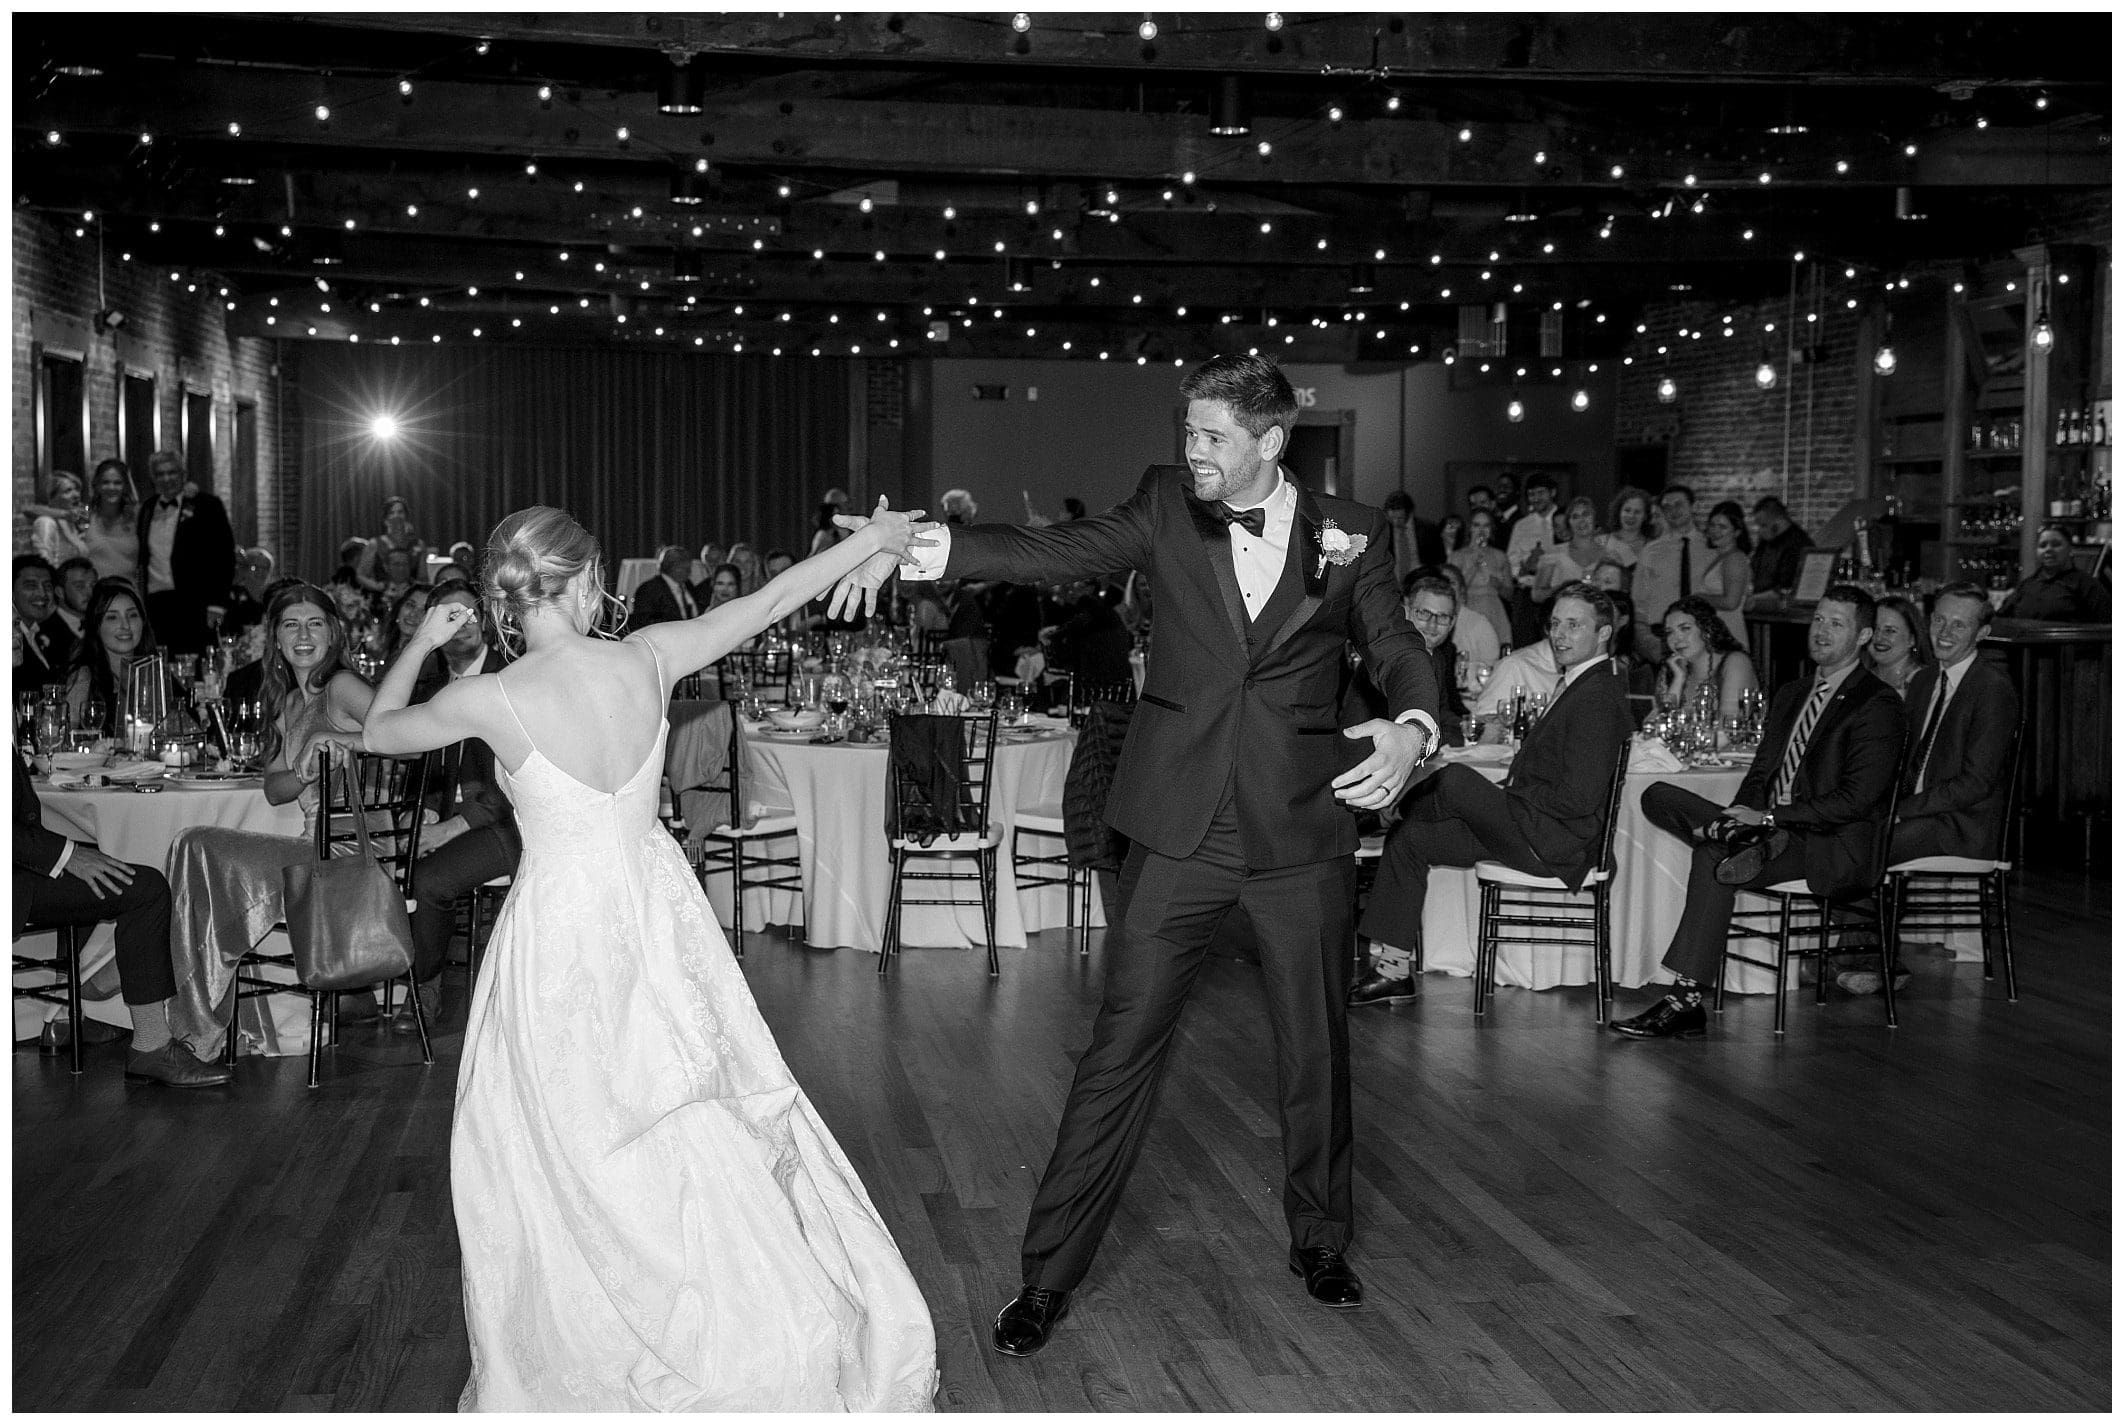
(1235, 788)
(1667, 568)
(1545, 820)
(1823, 780)
(187, 557)
(667, 597)
(1962, 717)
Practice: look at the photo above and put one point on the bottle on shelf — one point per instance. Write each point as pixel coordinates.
(2064, 432)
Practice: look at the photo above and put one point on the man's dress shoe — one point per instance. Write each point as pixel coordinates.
(1328, 1278)
(1747, 863)
(1378, 988)
(56, 1034)
(1030, 1317)
(1669, 1019)
(175, 1066)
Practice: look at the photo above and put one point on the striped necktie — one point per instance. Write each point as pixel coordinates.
(1796, 747)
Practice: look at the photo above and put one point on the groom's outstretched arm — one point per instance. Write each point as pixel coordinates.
(1108, 543)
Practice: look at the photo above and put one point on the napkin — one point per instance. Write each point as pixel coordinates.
(139, 771)
(950, 703)
(1041, 722)
(1650, 754)
(1031, 664)
(78, 761)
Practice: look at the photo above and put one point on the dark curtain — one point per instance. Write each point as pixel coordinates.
(645, 448)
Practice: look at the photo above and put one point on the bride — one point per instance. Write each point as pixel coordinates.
(651, 1213)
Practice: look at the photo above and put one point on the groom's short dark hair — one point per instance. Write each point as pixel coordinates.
(1253, 386)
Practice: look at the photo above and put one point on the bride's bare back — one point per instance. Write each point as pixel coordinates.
(592, 707)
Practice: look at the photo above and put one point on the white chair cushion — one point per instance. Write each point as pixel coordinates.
(1948, 866)
(964, 841)
(767, 824)
(1504, 875)
(1044, 819)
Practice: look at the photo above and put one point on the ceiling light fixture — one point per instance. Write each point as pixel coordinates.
(682, 88)
(1229, 112)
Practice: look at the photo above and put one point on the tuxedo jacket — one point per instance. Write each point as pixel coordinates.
(1966, 777)
(1229, 702)
(1844, 791)
(1557, 788)
(52, 663)
(655, 603)
(468, 786)
(202, 551)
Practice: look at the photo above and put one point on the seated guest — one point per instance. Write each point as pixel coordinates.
(47, 642)
(1901, 647)
(1822, 781)
(725, 582)
(406, 614)
(1960, 715)
(668, 597)
(1091, 642)
(62, 882)
(1433, 609)
(475, 838)
(455, 574)
(114, 634)
(225, 882)
(75, 586)
(1544, 821)
(1701, 653)
(1780, 549)
(245, 605)
(398, 576)
(2057, 591)
(1474, 637)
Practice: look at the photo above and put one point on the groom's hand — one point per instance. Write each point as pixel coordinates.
(1398, 748)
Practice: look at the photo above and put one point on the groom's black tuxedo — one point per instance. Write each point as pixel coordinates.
(1223, 787)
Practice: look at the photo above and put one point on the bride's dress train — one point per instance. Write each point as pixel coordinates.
(651, 1214)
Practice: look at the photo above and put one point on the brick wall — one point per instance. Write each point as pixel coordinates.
(174, 329)
(1726, 437)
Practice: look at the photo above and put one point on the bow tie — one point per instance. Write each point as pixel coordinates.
(168, 504)
(1252, 521)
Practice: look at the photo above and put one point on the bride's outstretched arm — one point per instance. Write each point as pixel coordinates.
(453, 714)
(691, 644)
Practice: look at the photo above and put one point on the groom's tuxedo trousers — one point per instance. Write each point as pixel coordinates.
(1223, 789)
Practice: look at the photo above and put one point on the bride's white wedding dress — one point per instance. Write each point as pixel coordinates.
(651, 1214)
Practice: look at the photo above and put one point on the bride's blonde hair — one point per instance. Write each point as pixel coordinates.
(530, 558)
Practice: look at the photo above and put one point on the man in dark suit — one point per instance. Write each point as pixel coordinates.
(46, 641)
(63, 882)
(475, 837)
(1415, 541)
(1961, 716)
(187, 556)
(667, 598)
(1544, 821)
(1090, 640)
(1234, 788)
(1823, 782)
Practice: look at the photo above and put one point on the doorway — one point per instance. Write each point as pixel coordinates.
(1321, 449)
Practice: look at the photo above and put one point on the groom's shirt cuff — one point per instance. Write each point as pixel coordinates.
(1423, 719)
(925, 562)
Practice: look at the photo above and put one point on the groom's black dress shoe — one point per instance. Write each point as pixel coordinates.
(1328, 1278)
(1377, 988)
(1030, 1317)
(1669, 1019)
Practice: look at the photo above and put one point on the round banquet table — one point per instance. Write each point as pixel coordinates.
(1644, 906)
(140, 827)
(838, 793)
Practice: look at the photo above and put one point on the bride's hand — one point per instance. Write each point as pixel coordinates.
(897, 531)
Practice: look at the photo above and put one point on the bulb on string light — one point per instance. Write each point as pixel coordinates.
(1021, 22)
(1667, 390)
(1273, 20)
(2042, 338)
(1580, 400)
(1765, 374)
(1515, 410)
(1148, 30)
(1884, 360)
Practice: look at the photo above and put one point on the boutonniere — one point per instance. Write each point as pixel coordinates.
(1338, 547)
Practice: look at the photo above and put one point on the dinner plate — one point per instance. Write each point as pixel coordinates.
(782, 734)
(211, 779)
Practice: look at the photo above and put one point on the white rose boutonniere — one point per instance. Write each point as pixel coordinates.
(1338, 547)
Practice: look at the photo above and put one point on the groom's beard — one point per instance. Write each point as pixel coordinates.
(1214, 483)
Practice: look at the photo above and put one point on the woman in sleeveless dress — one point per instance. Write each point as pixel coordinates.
(1487, 573)
(1701, 652)
(651, 1213)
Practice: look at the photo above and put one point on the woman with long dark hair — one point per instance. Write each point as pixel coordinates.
(652, 1214)
(225, 883)
(1724, 580)
(1702, 652)
(114, 632)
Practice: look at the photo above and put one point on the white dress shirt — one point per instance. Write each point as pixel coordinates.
(1529, 533)
(162, 533)
(1532, 668)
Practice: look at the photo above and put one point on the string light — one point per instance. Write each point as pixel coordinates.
(1148, 30)
(1273, 20)
(1021, 22)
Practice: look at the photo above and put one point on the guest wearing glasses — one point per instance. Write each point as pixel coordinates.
(1961, 714)
(1822, 782)
(1432, 607)
(1545, 820)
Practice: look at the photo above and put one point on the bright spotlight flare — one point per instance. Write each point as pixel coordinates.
(384, 426)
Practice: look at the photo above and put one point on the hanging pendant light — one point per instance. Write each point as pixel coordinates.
(1667, 391)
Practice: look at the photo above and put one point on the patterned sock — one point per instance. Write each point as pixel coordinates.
(1688, 992)
(1390, 960)
(151, 1025)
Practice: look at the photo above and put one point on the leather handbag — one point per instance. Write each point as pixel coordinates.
(346, 916)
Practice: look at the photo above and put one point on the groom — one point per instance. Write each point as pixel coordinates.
(1228, 788)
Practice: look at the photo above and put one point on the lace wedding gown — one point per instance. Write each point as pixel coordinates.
(651, 1214)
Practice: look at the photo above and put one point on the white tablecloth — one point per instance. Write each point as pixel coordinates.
(839, 795)
(1652, 879)
(140, 827)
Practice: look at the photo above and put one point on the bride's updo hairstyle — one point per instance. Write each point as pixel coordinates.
(530, 558)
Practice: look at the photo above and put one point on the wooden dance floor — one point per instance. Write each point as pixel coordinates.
(1549, 1217)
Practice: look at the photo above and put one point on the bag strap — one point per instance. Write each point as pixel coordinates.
(345, 769)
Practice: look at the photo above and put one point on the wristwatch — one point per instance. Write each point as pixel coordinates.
(1770, 818)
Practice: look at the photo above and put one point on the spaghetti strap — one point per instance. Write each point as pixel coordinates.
(656, 659)
(503, 689)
